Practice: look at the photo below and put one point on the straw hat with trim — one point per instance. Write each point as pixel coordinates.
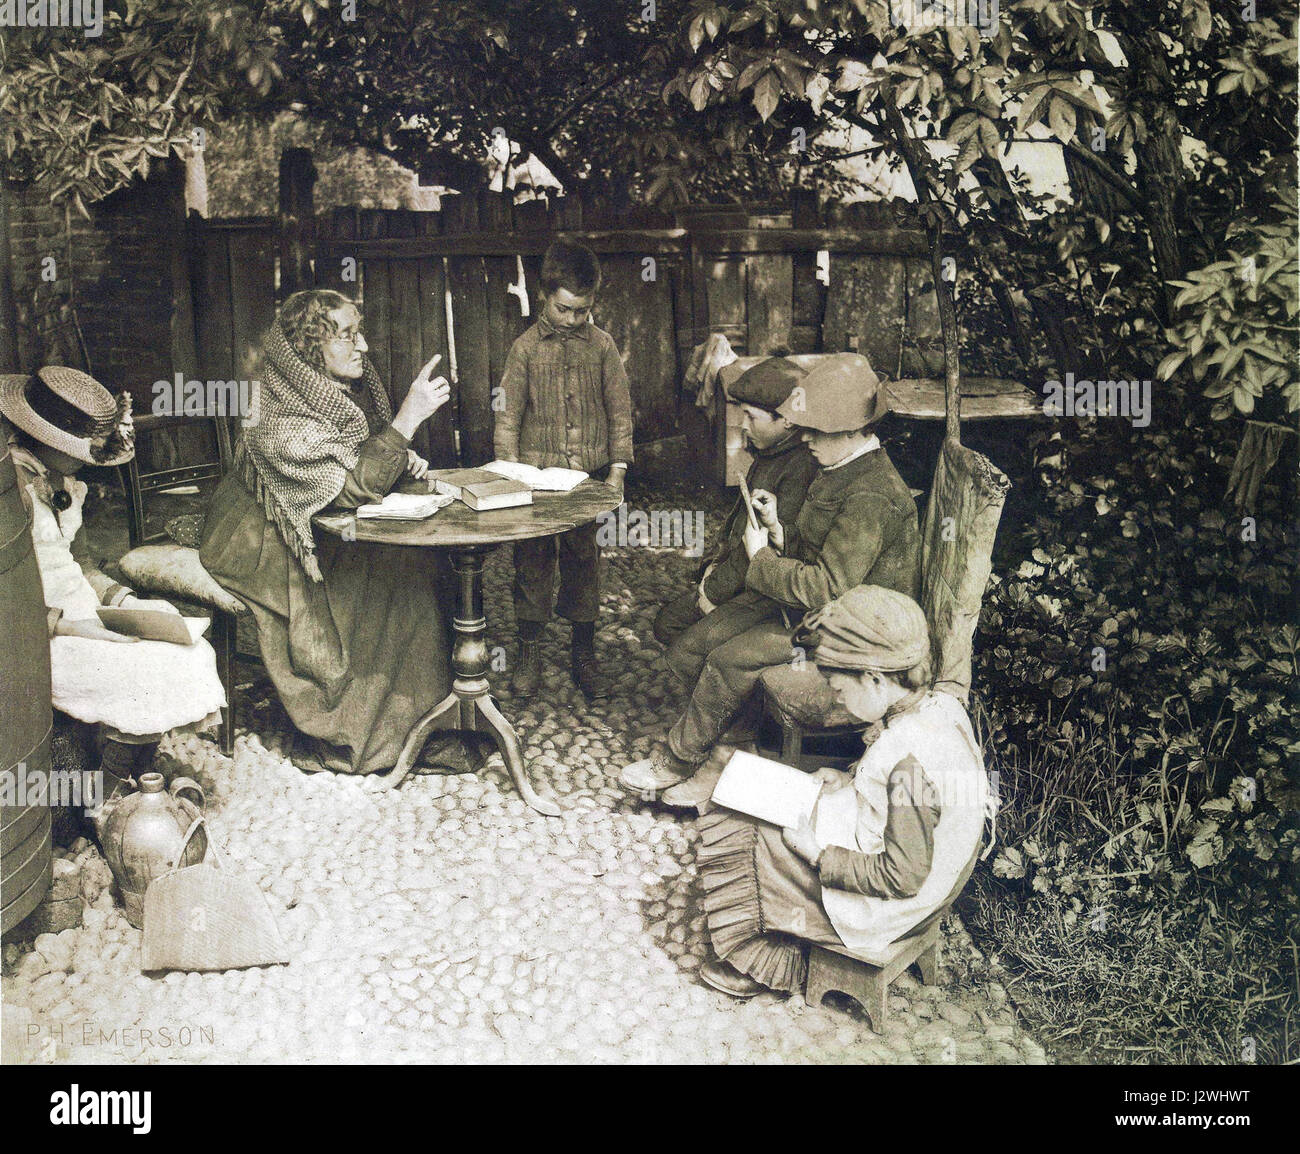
(70, 411)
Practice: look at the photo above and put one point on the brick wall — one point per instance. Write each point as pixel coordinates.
(112, 279)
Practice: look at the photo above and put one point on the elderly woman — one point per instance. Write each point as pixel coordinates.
(890, 843)
(351, 634)
(134, 690)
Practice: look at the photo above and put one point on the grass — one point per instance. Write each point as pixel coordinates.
(1159, 985)
(1165, 977)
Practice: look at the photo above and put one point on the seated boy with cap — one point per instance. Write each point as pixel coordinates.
(718, 606)
(857, 525)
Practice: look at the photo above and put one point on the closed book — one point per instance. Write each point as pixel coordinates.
(552, 480)
(501, 493)
(452, 481)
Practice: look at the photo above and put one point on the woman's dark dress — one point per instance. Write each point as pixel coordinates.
(358, 658)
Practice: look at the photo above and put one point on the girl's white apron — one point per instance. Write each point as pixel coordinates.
(938, 734)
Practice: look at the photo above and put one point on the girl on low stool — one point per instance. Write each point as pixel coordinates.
(889, 843)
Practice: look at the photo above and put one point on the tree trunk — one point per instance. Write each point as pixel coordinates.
(942, 290)
(1160, 177)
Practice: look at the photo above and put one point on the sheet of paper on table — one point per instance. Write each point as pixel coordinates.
(768, 790)
(154, 625)
(405, 507)
(552, 480)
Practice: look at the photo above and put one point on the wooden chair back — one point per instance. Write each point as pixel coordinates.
(139, 483)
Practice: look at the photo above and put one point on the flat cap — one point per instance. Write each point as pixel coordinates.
(767, 384)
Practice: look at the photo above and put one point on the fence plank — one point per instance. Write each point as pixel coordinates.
(252, 281)
(214, 318)
(406, 349)
(638, 314)
(769, 302)
(923, 343)
(469, 302)
(864, 309)
(378, 324)
(504, 321)
(433, 339)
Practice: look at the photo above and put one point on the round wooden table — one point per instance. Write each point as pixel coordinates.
(468, 536)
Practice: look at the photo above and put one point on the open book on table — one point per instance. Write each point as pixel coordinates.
(768, 790)
(552, 480)
(405, 507)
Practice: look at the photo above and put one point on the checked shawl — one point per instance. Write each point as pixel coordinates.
(295, 457)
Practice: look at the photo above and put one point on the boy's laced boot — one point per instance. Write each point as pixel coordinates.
(527, 675)
(586, 670)
(587, 674)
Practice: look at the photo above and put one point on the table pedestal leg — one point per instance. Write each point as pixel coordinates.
(469, 698)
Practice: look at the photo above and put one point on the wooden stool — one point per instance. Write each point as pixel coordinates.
(866, 977)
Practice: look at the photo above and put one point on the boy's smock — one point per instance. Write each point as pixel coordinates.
(567, 401)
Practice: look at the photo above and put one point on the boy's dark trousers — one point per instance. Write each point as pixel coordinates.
(579, 564)
(677, 616)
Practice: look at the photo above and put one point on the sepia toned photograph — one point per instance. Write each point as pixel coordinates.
(650, 533)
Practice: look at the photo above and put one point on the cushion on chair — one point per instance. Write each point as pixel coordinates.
(175, 571)
(803, 697)
(186, 529)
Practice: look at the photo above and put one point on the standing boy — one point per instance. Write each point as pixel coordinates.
(567, 404)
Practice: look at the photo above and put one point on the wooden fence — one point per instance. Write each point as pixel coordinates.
(668, 282)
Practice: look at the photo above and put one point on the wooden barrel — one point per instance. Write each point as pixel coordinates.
(25, 713)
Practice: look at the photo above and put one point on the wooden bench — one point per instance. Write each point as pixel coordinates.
(866, 977)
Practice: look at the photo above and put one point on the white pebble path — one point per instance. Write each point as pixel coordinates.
(447, 922)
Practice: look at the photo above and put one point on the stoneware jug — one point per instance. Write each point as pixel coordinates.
(144, 837)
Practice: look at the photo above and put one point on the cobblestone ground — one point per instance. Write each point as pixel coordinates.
(447, 922)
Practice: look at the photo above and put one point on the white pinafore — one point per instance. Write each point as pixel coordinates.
(938, 734)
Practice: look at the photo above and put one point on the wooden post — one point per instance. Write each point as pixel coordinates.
(9, 360)
(297, 220)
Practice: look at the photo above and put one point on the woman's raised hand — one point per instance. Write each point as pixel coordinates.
(424, 398)
(430, 392)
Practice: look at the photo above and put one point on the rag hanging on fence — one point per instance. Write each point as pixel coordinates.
(708, 359)
(961, 522)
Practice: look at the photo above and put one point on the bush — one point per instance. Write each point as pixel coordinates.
(1140, 671)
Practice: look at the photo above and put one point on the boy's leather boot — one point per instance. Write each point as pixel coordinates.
(527, 675)
(587, 674)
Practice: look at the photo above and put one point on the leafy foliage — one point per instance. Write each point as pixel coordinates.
(1122, 87)
(1138, 759)
(1241, 318)
(89, 115)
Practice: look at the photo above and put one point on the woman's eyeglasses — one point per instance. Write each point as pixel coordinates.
(349, 337)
